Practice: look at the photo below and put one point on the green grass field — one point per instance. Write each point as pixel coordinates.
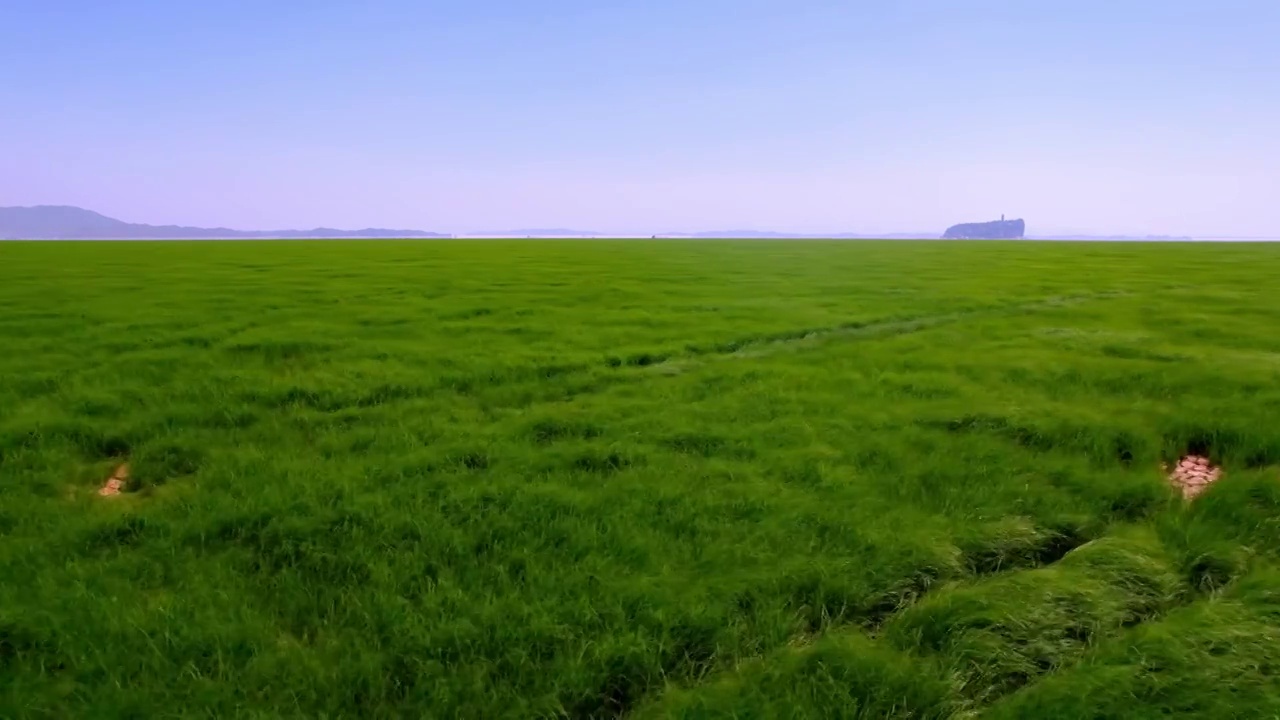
(642, 479)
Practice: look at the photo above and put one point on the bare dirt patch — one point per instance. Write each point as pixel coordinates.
(115, 484)
(1193, 474)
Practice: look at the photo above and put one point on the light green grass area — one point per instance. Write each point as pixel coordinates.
(642, 479)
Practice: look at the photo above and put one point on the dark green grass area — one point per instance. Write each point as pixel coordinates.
(650, 479)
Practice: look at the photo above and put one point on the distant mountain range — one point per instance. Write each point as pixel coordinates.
(64, 222)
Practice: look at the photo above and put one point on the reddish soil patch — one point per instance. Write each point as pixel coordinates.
(116, 482)
(1193, 474)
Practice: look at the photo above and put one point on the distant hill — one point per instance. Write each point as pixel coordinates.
(995, 230)
(64, 222)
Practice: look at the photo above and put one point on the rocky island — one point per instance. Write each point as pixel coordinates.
(995, 230)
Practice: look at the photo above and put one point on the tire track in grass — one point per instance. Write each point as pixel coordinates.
(573, 381)
(635, 367)
(793, 341)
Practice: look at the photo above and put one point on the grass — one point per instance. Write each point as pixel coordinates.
(651, 479)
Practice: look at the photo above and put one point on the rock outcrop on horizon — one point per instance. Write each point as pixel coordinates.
(995, 230)
(64, 222)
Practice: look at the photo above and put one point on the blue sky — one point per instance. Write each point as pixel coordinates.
(1127, 116)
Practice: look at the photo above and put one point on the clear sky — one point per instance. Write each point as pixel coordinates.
(1099, 116)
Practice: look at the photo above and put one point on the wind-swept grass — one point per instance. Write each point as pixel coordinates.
(597, 479)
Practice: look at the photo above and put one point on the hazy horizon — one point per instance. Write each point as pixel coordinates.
(1098, 118)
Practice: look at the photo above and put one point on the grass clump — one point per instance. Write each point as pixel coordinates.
(839, 676)
(1003, 632)
(1209, 660)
